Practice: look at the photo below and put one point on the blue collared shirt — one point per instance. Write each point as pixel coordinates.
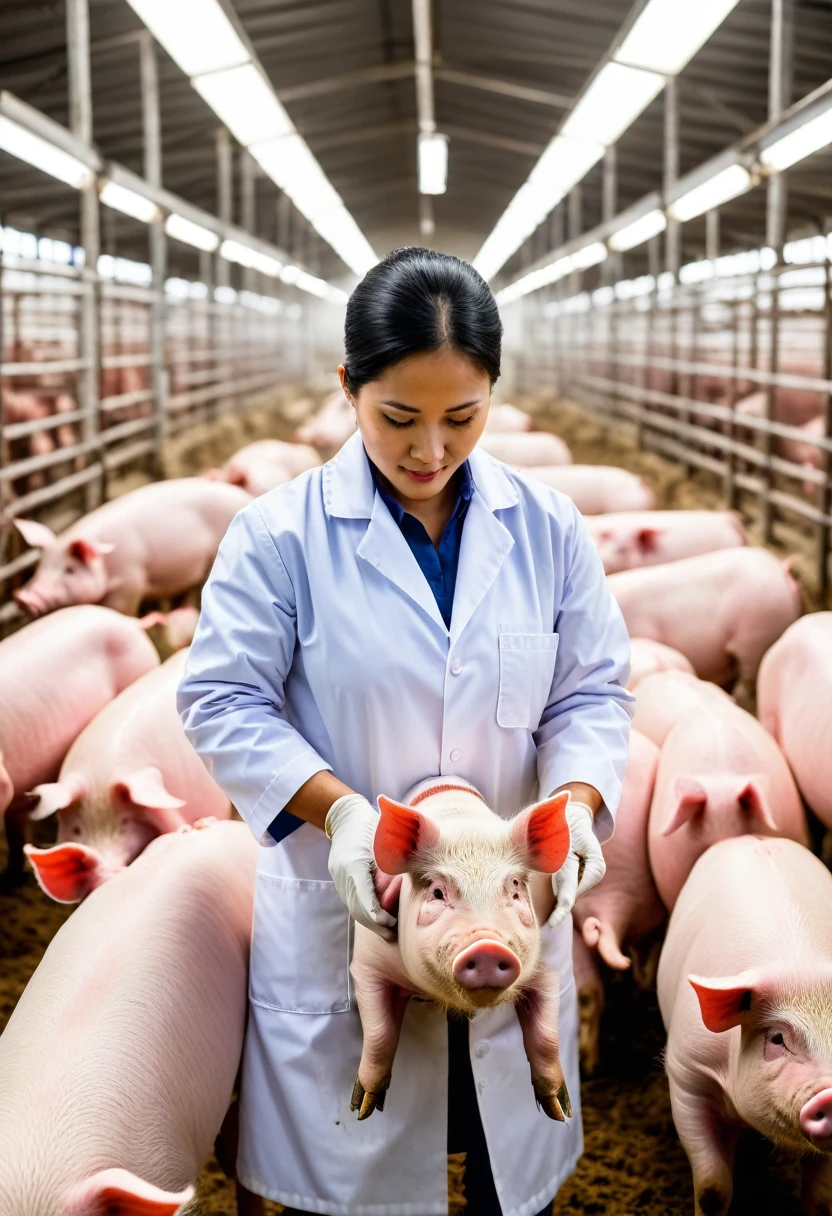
(439, 562)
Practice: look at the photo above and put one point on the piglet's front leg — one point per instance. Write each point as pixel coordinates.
(381, 1004)
(537, 1011)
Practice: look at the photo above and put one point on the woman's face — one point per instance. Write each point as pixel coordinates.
(421, 419)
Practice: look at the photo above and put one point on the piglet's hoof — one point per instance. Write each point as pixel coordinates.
(366, 1101)
(557, 1106)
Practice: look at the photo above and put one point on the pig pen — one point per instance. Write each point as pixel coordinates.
(633, 1161)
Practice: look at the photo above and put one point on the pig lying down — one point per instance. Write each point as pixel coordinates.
(118, 1064)
(745, 990)
(472, 890)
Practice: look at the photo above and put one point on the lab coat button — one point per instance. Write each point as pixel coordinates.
(456, 667)
(456, 754)
(482, 1049)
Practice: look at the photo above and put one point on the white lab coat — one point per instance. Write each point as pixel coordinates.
(320, 645)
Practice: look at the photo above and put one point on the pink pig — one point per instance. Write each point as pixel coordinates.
(156, 541)
(261, 466)
(663, 697)
(329, 428)
(504, 418)
(469, 911)
(130, 776)
(597, 489)
(722, 610)
(794, 703)
(118, 1064)
(625, 906)
(525, 450)
(627, 539)
(720, 774)
(647, 657)
(744, 983)
(95, 653)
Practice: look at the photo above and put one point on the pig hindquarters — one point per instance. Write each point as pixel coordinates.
(154, 542)
(130, 776)
(648, 657)
(118, 1064)
(525, 450)
(469, 916)
(55, 676)
(745, 990)
(628, 539)
(596, 489)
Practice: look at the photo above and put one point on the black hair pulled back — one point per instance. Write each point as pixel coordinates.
(414, 301)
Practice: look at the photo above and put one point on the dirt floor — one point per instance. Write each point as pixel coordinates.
(633, 1162)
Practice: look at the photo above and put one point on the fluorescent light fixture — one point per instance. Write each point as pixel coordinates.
(245, 101)
(289, 274)
(590, 255)
(433, 164)
(129, 202)
(668, 34)
(244, 255)
(638, 232)
(612, 102)
(811, 137)
(563, 163)
(19, 142)
(287, 161)
(192, 234)
(717, 190)
(195, 33)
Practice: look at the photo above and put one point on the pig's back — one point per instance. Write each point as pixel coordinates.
(794, 698)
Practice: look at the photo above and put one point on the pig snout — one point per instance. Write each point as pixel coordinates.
(816, 1121)
(486, 964)
(35, 605)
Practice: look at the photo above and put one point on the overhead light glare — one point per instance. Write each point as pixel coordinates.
(22, 143)
(811, 137)
(244, 255)
(197, 35)
(638, 232)
(712, 193)
(563, 163)
(613, 101)
(433, 163)
(245, 101)
(192, 234)
(129, 202)
(590, 255)
(668, 34)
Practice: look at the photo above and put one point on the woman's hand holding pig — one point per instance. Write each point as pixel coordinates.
(584, 854)
(351, 826)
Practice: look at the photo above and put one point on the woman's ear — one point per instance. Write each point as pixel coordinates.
(342, 376)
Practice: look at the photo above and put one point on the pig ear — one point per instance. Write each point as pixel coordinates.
(87, 551)
(120, 1193)
(67, 872)
(725, 1003)
(648, 538)
(691, 798)
(56, 796)
(541, 833)
(145, 789)
(753, 801)
(401, 835)
(35, 534)
(388, 889)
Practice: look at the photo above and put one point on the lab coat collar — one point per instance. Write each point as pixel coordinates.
(349, 490)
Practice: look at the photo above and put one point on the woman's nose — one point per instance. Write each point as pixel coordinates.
(429, 448)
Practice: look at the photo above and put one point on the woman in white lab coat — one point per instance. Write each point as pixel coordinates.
(413, 609)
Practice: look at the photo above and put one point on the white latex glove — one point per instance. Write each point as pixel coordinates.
(584, 851)
(351, 826)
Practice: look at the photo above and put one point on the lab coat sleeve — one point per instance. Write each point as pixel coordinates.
(231, 697)
(585, 729)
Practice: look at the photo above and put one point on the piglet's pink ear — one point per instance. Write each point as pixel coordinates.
(725, 1003)
(401, 835)
(87, 551)
(120, 1193)
(648, 539)
(68, 873)
(542, 834)
(35, 534)
(752, 800)
(691, 800)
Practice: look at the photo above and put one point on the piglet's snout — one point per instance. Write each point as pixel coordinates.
(816, 1120)
(486, 964)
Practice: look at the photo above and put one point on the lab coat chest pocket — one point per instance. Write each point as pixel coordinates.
(527, 668)
(299, 946)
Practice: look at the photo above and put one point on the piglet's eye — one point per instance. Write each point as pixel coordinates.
(438, 893)
(778, 1039)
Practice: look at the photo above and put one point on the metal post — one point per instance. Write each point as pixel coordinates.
(80, 122)
(781, 48)
(712, 235)
(225, 203)
(825, 496)
(248, 207)
(284, 223)
(611, 268)
(152, 132)
(731, 497)
(427, 223)
(673, 232)
(575, 227)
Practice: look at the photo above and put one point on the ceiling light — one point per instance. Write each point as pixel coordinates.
(668, 34)
(192, 234)
(590, 255)
(197, 35)
(638, 232)
(433, 164)
(287, 161)
(244, 255)
(245, 101)
(19, 142)
(808, 138)
(712, 193)
(289, 274)
(612, 102)
(563, 163)
(129, 202)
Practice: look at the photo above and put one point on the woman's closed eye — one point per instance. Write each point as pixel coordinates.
(454, 422)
